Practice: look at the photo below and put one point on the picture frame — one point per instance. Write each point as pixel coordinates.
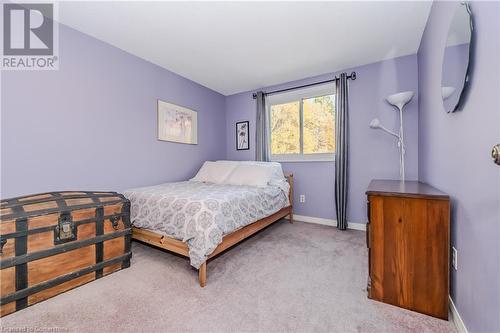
(243, 135)
(176, 123)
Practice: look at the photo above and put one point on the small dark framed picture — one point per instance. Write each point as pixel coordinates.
(242, 135)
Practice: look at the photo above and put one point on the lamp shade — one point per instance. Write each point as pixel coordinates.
(400, 99)
(375, 123)
(447, 92)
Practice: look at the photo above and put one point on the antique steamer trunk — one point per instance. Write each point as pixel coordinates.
(53, 242)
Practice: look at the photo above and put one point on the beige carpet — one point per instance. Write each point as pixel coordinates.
(288, 278)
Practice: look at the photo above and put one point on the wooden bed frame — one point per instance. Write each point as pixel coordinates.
(228, 241)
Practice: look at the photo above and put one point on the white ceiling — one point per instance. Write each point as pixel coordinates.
(232, 47)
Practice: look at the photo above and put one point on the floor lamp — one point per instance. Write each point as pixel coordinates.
(398, 100)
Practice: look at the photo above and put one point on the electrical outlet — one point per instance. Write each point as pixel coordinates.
(454, 258)
(302, 198)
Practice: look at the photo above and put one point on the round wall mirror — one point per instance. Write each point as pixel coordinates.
(457, 59)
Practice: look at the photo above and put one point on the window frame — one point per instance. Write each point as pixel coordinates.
(294, 96)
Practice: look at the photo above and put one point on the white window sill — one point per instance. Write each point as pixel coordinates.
(300, 159)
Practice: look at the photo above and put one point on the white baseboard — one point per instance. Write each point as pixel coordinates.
(329, 222)
(456, 319)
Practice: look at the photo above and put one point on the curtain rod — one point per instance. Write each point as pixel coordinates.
(352, 77)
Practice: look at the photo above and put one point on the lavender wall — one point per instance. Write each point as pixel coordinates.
(92, 123)
(454, 156)
(373, 154)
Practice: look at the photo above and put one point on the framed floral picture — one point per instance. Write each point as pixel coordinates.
(177, 123)
(242, 135)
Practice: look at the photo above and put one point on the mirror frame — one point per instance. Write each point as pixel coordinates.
(470, 64)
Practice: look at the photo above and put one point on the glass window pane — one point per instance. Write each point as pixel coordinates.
(319, 124)
(285, 128)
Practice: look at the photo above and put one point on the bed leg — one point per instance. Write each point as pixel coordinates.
(291, 217)
(202, 274)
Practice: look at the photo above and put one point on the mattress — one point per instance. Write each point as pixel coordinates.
(200, 214)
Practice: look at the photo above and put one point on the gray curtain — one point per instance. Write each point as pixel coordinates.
(261, 149)
(342, 150)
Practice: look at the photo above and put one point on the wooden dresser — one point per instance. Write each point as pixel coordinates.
(408, 241)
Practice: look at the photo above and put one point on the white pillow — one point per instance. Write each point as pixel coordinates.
(276, 174)
(276, 170)
(250, 175)
(214, 172)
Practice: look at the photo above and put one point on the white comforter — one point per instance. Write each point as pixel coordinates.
(202, 213)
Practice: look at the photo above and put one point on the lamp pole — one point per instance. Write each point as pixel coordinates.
(398, 100)
(401, 145)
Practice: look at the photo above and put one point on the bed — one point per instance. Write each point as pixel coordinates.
(215, 210)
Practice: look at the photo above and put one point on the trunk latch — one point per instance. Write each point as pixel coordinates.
(65, 230)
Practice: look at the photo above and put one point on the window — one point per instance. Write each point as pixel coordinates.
(302, 125)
